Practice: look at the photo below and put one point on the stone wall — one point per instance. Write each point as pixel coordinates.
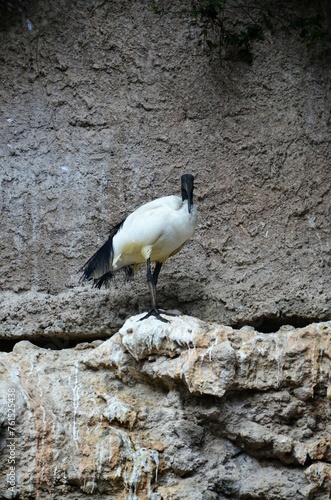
(103, 106)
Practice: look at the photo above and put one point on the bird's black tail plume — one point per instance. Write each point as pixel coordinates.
(99, 267)
(103, 280)
(100, 263)
(106, 278)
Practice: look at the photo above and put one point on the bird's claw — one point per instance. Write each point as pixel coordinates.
(154, 312)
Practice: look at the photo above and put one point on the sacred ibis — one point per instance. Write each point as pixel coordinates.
(152, 233)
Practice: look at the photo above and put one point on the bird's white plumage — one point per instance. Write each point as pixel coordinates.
(155, 230)
(152, 233)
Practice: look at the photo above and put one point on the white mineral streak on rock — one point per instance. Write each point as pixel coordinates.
(75, 392)
(110, 417)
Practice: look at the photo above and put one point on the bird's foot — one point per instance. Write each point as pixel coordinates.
(156, 313)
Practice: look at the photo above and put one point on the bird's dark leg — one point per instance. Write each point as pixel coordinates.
(152, 282)
(156, 273)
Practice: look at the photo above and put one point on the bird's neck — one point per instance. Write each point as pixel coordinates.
(185, 197)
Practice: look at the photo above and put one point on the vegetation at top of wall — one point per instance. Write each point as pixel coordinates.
(237, 24)
(229, 26)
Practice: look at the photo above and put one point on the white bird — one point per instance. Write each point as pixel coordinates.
(152, 233)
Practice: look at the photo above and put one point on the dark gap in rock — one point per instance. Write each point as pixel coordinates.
(320, 390)
(52, 343)
(187, 474)
(272, 323)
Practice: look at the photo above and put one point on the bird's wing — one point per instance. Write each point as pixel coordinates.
(157, 230)
(142, 230)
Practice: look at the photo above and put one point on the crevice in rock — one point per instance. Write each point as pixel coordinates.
(268, 323)
(53, 343)
(271, 323)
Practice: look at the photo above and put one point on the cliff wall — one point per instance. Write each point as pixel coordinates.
(103, 106)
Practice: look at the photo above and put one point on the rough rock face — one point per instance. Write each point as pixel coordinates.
(103, 105)
(179, 410)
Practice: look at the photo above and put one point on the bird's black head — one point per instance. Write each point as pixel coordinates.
(187, 189)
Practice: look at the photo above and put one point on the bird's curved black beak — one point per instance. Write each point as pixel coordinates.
(187, 190)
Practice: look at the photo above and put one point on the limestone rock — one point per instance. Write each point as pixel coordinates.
(172, 410)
